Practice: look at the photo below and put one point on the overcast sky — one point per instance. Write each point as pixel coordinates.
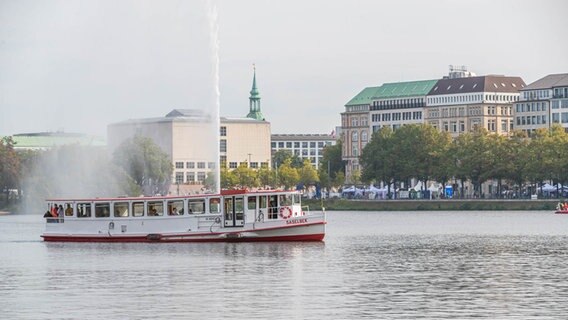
(77, 66)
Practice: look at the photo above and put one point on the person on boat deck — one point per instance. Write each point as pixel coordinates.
(54, 211)
(68, 210)
(60, 212)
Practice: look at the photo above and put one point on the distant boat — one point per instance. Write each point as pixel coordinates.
(562, 208)
(232, 215)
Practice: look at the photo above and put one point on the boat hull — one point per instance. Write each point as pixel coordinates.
(561, 212)
(298, 232)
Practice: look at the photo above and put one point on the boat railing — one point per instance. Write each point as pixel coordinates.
(54, 220)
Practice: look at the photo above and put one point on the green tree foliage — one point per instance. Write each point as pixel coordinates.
(267, 177)
(308, 174)
(287, 175)
(144, 161)
(330, 164)
(246, 177)
(280, 156)
(9, 165)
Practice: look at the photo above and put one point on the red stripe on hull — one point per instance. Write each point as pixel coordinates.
(303, 237)
(561, 212)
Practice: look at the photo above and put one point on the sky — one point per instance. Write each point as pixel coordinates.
(76, 66)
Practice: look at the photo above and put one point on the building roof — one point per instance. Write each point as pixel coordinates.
(363, 97)
(303, 137)
(45, 140)
(491, 83)
(404, 89)
(551, 80)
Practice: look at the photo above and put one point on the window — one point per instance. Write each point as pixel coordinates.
(190, 165)
(312, 144)
(138, 209)
(223, 131)
(179, 177)
(243, 164)
(196, 206)
(296, 144)
(200, 176)
(254, 165)
(304, 144)
(102, 210)
(289, 145)
(214, 206)
(280, 144)
(201, 165)
(155, 208)
(223, 146)
(175, 207)
(364, 136)
(121, 209)
(211, 165)
(264, 164)
(354, 136)
(251, 203)
(83, 210)
(179, 165)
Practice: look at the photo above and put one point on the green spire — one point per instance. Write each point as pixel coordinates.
(254, 100)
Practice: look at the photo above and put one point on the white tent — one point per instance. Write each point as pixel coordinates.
(547, 188)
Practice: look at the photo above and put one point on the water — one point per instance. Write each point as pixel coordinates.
(373, 265)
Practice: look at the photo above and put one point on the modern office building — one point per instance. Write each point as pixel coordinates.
(543, 103)
(305, 146)
(457, 105)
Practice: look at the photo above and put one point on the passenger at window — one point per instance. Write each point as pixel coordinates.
(175, 211)
(68, 210)
(60, 212)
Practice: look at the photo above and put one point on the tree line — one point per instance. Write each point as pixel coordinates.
(424, 153)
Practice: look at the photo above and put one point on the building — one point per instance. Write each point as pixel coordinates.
(355, 129)
(543, 103)
(305, 146)
(189, 138)
(400, 103)
(457, 105)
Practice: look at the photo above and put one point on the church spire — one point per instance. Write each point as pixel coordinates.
(254, 100)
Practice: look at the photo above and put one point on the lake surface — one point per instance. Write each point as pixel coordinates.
(372, 265)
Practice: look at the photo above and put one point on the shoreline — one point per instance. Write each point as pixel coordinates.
(431, 205)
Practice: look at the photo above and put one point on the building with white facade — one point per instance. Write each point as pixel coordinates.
(457, 105)
(543, 103)
(305, 146)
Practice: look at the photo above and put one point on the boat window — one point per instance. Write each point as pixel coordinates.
(83, 210)
(251, 203)
(155, 208)
(214, 206)
(297, 199)
(175, 208)
(102, 210)
(121, 209)
(239, 208)
(273, 207)
(285, 200)
(68, 209)
(138, 209)
(197, 206)
(263, 201)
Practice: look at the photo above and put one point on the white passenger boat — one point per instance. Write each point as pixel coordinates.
(233, 215)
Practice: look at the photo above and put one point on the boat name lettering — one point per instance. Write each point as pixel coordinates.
(296, 221)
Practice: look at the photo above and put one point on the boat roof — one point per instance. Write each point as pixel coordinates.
(171, 197)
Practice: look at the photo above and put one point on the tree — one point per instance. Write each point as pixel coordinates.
(144, 161)
(282, 155)
(9, 166)
(267, 177)
(228, 179)
(307, 174)
(246, 177)
(288, 175)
